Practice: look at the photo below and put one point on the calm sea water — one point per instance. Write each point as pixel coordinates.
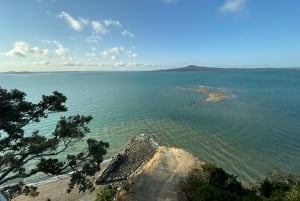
(257, 129)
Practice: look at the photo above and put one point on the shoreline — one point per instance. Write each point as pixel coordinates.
(55, 187)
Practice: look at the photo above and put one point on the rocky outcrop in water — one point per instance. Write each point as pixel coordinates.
(138, 151)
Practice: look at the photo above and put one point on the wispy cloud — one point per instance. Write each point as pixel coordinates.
(75, 24)
(128, 33)
(116, 52)
(232, 6)
(110, 22)
(60, 49)
(113, 51)
(131, 54)
(98, 27)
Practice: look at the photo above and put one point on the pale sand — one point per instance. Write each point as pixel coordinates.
(158, 179)
(56, 191)
(216, 97)
(212, 96)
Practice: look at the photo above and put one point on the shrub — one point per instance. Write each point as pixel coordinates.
(107, 193)
(211, 183)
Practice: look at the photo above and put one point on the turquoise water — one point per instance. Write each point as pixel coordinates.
(257, 129)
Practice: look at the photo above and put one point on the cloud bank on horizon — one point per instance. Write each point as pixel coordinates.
(147, 35)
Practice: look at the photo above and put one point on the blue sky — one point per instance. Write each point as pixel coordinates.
(46, 35)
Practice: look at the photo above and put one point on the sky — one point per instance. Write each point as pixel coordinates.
(63, 35)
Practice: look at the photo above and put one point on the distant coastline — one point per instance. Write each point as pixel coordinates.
(186, 68)
(205, 68)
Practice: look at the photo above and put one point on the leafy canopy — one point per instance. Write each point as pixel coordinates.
(18, 149)
(211, 183)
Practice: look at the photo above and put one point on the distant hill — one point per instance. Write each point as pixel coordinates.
(193, 68)
(203, 68)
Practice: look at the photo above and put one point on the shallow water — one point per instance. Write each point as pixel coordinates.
(257, 129)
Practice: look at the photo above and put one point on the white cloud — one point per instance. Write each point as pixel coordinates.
(23, 49)
(110, 22)
(60, 49)
(118, 52)
(98, 27)
(20, 49)
(113, 51)
(131, 64)
(75, 24)
(131, 54)
(232, 6)
(127, 33)
(114, 57)
(120, 64)
(39, 52)
(84, 21)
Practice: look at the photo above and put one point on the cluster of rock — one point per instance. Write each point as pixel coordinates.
(138, 151)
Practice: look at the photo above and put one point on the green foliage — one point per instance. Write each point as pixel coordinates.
(127, 186)
(279, 186)
(293, 194)
(18, 149)
(107, 193)
(211, 183)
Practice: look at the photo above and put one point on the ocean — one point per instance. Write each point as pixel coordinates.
(255, 130)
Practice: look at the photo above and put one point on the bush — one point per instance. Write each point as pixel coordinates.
(280, 187)
(211, 183)
(107, 193)
(293, 194)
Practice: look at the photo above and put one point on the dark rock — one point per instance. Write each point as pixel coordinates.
(138, 151)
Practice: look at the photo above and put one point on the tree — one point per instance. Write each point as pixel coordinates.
(213, 183)
(18, 148)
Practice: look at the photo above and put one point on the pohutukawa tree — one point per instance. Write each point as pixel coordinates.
(18, 149)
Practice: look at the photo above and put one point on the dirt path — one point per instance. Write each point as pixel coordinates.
(158, 179)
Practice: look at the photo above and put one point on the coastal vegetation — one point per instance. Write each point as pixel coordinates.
(24, 154)
(211, 183)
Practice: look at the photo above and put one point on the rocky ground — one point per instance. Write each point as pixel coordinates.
(138, 151)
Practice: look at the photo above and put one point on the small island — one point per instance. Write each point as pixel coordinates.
(213, 95)
(216, 97)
